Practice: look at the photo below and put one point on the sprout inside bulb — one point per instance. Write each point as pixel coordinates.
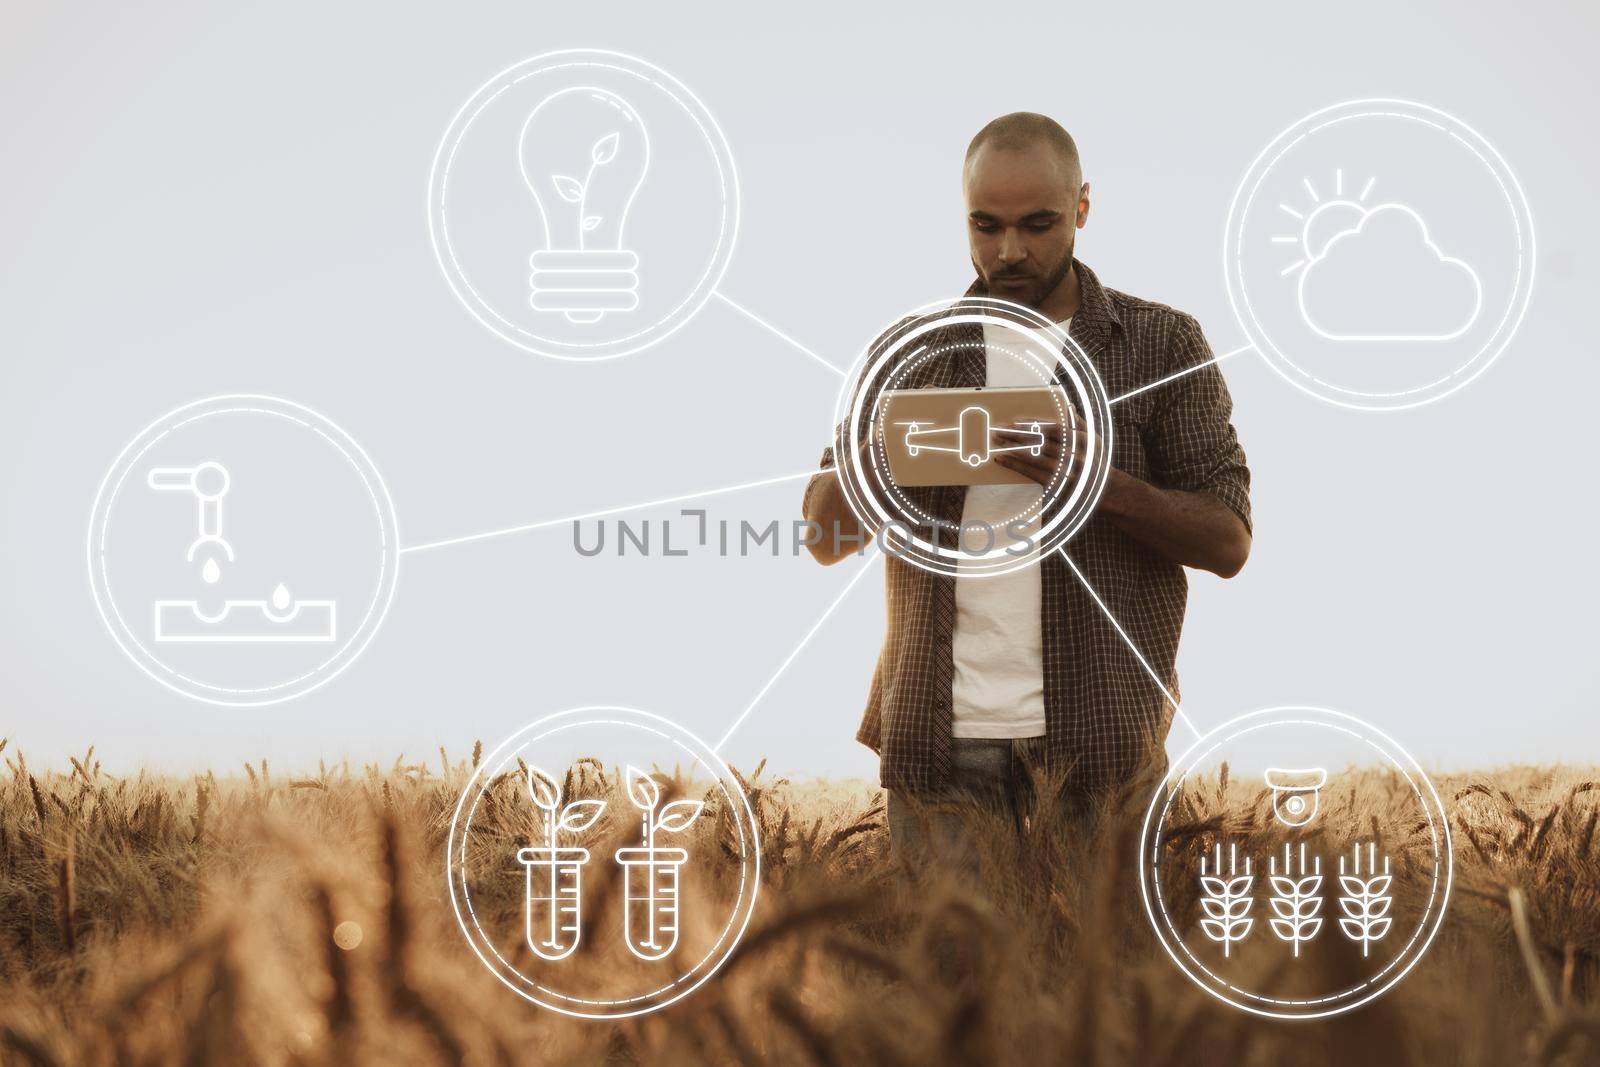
(584, 154)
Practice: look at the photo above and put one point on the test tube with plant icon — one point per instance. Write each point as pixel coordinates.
(554, 919)
(650, 897)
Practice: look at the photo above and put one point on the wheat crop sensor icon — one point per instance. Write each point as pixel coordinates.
(1226, 898)
(1296, 901)
(1365, 901)
(650, 892)
(554, 919)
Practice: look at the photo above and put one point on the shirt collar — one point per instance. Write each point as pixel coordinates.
(1095, 314)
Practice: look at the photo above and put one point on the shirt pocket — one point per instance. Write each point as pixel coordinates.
(1129, 421)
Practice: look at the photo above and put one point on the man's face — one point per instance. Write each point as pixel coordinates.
(1024, 207)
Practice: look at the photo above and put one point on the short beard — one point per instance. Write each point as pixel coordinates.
(1046, 286)
(1053, 280)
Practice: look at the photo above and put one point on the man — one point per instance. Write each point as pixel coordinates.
(981, 681)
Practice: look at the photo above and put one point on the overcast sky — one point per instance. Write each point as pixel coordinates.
(206, 199)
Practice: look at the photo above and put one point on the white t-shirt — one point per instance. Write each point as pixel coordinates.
(998, 647)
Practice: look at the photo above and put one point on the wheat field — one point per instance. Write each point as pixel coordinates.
(254, 917)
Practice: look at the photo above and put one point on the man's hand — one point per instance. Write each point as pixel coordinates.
(1042, 468)
(1192, 528)
(827, 506)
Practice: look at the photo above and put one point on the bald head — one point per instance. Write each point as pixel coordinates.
(1021, 131)
(1026, 199)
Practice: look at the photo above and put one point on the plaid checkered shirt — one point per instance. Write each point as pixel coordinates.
(1105, 719)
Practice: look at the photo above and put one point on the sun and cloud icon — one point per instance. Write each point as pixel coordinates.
(1375, 274)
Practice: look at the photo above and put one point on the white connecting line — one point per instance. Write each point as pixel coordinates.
(1134, 648)
(1183, 715)
(759, 321)
(855, 579)
(861, 571)
(610, 511)
(1180, 374)
(764, 324)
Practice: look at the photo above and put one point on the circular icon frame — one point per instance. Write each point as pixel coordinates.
(1278, 357)
(558, 264)
(1151, 850)
(535, 990)
(128, 640)
(872, 493)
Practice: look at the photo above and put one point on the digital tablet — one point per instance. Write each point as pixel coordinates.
(947, 436)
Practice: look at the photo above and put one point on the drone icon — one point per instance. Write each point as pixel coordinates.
(971, 437)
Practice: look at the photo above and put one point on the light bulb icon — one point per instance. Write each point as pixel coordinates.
(584, 153)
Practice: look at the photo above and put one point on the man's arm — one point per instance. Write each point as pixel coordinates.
(826, 506)
(1198, 516)
(1194, 529)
